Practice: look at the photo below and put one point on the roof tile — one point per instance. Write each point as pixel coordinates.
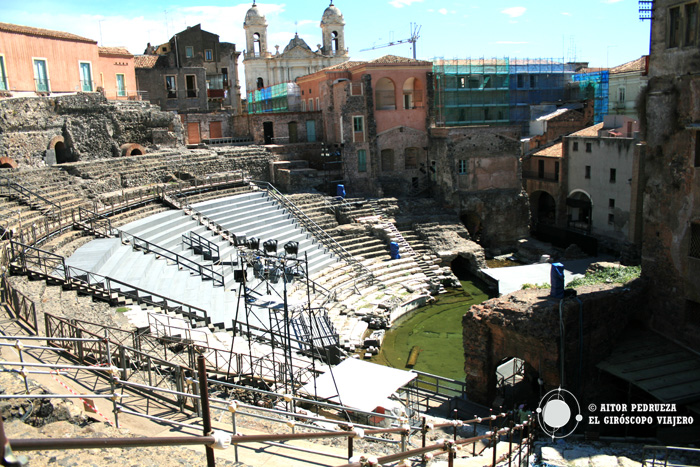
(28, 30)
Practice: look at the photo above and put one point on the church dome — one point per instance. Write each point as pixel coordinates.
(332, 15)
(297, 42)
(254, 17)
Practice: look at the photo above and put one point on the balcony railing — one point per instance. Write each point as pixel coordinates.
(546, 176)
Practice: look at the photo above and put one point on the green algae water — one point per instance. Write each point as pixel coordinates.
(436, 333)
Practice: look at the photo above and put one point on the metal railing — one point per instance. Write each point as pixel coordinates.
(661, 456)
(317, 232)
(207, 272)
(23, 307)
(536, 175)
(201, 246)
(34, 261)
(29, 197)
(97, 223)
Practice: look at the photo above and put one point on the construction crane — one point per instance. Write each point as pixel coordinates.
(415, 29)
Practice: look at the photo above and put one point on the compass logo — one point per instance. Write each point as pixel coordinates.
(555, 413)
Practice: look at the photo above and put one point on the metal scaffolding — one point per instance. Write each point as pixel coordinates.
(497, 91)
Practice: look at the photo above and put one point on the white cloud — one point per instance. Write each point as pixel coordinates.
(402, 3)
(515, 11)
(442, 11)
(566, 13)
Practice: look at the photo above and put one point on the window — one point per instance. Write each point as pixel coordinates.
(462, 167)
(521, 81)
(358, 129)
(208, 55)
(257, 45)
(311, 105)
(121, 85)
(589, 147)
(191, 85)
(41, 75)
(171, 86)
(361, 160)
(303, 106)
(189, 51)
(462, 82)
(318, 107)
(574, 146)
(621, 95)
(613, 175)
(260, 83)
(694, 250)
(385, 95)
(611, 218)
(611, 203)
(3, 75)
(533, 81)
(540, 168)
(691, 13)
(556, 171)
(387, 156)
(411, 158)
(224, 77)
(588, 171)
(85, 77)
(674, 27)
(334, 42)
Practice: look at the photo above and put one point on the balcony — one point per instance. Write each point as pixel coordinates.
(544, 176)
(216, 93)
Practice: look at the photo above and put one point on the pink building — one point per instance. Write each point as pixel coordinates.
(377, 112)
(43, 62)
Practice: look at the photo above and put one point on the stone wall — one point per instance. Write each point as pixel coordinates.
(526, 325)
(90, 127)
(485, 189)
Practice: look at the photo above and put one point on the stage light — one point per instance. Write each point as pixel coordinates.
(254, 243)
(292, 248)
(270, 246)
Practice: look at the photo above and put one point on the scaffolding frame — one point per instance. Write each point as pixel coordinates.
(497, 91)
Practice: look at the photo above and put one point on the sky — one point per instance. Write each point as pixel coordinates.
(605, 33)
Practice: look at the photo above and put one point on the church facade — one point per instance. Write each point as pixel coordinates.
(264, 69)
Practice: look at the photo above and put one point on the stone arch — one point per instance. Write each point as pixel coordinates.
(543, 208)
(58, 144)
(7, 163)
(132, 149)
(385, 94)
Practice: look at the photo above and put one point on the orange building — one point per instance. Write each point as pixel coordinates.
(46, 62)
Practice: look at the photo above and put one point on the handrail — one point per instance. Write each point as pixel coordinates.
(206, 247)
(206, 272)
(317, 231)
(29, 193)
(92, 279)
(665, 461)
(94, 220)
(23, 306)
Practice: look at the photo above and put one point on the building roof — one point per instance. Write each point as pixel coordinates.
(555, 150)
(30, 31)
(297, 42)
(591, 70)
(394, 59)
(639, 64)
(121, 51)
(344, 66)
(554, 114)
(254, 17)
(590, 131)
(150, 61)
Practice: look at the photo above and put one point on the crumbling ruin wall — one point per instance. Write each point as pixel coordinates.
(477, 170)
(526, 325)
(88, 125)
(672, 207)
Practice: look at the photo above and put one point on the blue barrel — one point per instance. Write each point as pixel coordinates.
(394, 250)
(340, 191)
(557, 277)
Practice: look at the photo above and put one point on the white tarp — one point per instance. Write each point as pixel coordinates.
(362, 385)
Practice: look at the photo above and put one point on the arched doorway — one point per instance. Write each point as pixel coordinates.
(292, 129)
(579, 210)
(132, 149)
(543, 208)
